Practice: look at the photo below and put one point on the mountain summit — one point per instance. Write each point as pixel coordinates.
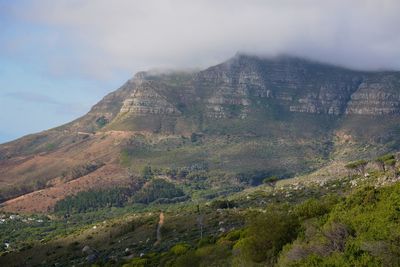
(246, 118)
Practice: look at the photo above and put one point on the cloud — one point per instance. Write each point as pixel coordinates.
(101, 38)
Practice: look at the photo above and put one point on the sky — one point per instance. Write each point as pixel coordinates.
(58, 58)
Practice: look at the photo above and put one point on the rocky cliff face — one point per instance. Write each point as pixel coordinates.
(377, 97)
(296, 84)
(244, 85)
(145, 100)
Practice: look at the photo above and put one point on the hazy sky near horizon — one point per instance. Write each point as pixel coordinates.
(58, 58)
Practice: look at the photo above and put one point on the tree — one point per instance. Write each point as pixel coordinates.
(266, 235)
(223, 204)
(358, 166)
(271, 181)
(93, 200)
(157, 189)
(147, 172)
(385, 160)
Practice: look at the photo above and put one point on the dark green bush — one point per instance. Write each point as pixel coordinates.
(157, 189)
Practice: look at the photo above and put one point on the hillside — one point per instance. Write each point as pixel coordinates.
(349, 220)
(239, 122)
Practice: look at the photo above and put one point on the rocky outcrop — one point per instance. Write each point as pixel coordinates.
(296, 84)
(375, 99)
(229, 84)
(145, 100)
(303, 86)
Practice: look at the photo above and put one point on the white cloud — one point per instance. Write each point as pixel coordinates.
(104, 37)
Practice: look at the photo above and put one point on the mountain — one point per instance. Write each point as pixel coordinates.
(240, 121)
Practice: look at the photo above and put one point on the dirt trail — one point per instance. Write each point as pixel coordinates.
(160, 224)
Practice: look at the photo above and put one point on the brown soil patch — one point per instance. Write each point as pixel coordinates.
(101, 147)
(44, 200)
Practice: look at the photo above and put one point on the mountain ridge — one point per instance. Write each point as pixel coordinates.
(340, 91)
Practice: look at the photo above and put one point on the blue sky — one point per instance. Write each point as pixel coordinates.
(59, 57)
(32, 100)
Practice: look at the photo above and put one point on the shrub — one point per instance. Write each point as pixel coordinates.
(266, 234)
(180, 249)
(147, 172)
(101, 121)
(223, 204)
(188, 259)
(311, 208)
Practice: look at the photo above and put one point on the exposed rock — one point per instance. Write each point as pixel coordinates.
(243, 86)
(145, 100)
(375, 99)
(232, 89)
(87, 250)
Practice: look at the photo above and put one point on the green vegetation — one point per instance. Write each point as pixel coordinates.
(93, 200)
(101, 122)
(236, 146)
(147, 173)
(361, 230)
(266, 234)
(50, 147)
(157, 189)
(224, 204)
(271, 180)
(146, 190)
(334, 224)
(386, 161)
(358, 166)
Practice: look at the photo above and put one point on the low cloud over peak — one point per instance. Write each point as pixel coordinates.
(101, 38)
